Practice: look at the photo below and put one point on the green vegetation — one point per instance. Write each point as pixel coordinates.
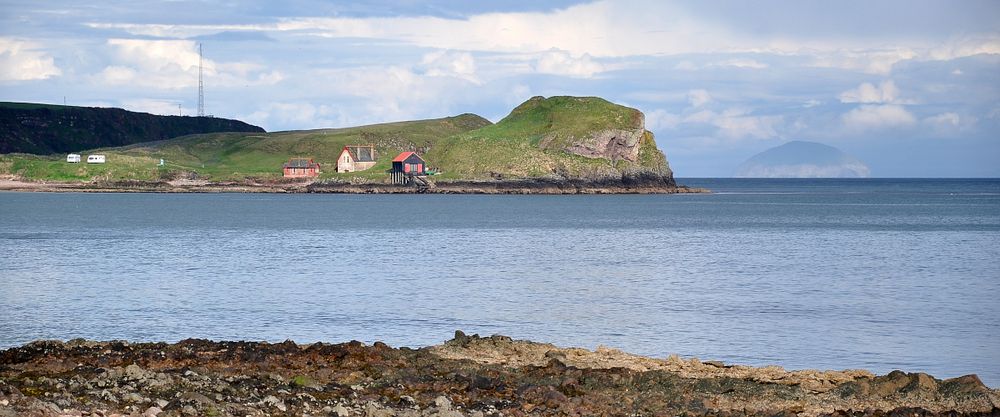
(46, 129)
(533, 141)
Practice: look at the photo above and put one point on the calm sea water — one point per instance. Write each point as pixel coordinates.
(830, 274)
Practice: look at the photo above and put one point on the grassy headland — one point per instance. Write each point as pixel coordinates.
(559, 138)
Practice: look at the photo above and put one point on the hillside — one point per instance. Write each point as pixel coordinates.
(47, 129)
(798, 159)
(573, 137)
(559, 138)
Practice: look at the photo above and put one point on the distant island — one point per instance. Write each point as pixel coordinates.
(800, 159)
(556, 145)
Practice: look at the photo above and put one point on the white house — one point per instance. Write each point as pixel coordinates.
(95, 159)
(356, 158)
(73, 158)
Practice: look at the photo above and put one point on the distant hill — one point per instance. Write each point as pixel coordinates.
(800, 159)
(46, 129)
(558, 137)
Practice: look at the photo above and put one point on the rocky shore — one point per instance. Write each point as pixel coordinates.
(501, 186)
(466, 376)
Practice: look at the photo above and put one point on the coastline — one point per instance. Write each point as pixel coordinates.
(515, 186)
(465, 376)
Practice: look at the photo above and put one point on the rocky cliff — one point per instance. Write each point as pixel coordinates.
(46, 129)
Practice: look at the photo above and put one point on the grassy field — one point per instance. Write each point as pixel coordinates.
(462, 147)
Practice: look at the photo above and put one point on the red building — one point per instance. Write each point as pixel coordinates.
(300, 168)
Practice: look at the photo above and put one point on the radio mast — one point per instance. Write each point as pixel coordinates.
(201, 87)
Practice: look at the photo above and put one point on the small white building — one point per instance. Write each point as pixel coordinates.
(95, 159)
(73, 158)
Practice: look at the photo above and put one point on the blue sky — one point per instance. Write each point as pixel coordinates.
(910, 87)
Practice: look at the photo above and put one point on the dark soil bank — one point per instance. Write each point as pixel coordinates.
(467, 376)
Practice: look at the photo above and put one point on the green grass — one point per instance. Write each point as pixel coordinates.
(530, 141)
(55, 168)
(527, 143)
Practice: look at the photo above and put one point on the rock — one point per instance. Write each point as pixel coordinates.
(152, 412)
(135, 372)
(373, 410)
(133, 397)
(341, 411)
(197, 399)
(162, 403)
(964, 385)
(273, 401)
(442, 402)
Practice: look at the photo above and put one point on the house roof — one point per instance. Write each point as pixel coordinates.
(360, 153)
(402, 157)
(300, 163)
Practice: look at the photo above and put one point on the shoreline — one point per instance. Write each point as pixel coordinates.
(519, 186)
(464, 376)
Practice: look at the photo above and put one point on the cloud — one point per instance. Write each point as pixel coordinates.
(660, 119)
(744, 63)
(450, 64)
(871, 117)
(686, 66)
(154, 106)
(173, 64)
(886, 92)
(296, 114)
(737, 125)
(698, 98)
(734, 123)
(949, 123)
(872, 61)
(563, 63)
(21, 61)
(613, 29)
(739, 63)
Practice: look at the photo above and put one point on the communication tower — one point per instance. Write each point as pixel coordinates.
(201, 87)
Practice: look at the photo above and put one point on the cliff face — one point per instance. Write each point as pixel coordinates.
(44, 129)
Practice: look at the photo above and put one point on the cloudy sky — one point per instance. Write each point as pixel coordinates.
(911, 87)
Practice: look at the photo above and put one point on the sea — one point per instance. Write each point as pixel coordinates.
(878, 274)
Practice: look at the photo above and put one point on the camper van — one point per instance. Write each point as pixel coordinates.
(73, 158)
(95, 159)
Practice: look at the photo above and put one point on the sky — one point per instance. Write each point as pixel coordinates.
(910, 87)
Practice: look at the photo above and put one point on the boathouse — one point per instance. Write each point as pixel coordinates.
(406, 167)
(356, 158)
(300, 168)
(409, 163)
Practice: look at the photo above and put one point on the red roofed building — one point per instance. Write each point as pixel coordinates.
(300, 168)
(409, 163)
(406, 168)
